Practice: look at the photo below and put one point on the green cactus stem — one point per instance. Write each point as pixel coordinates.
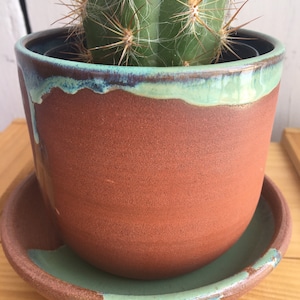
(191, 36)
(154, 32)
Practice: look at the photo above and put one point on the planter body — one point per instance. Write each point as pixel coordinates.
(149, 172)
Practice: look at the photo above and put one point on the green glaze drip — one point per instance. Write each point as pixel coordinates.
(231, 83)
(244, 87)
(232, 89)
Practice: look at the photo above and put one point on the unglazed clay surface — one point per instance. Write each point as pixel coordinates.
(147, 172)
(142, 179)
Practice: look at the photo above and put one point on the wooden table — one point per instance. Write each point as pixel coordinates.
(283, 283)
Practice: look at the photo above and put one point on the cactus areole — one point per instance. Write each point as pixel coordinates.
(154, 32)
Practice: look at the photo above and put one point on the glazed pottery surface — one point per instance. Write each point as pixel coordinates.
(36, 252)
(149, 172)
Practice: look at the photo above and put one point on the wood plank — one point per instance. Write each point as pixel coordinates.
(18, 162)
(291, 142)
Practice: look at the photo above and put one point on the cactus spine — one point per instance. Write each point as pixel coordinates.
(153, 32)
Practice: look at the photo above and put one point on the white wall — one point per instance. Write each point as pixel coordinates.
(277, 18)
(11, 28)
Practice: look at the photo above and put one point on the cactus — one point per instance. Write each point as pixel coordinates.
(154, 32)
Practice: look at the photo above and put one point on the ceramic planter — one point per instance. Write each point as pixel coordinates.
(149, 172)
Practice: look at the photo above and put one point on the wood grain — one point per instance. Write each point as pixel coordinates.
(291, 143)
(16, 157)
(282, 284)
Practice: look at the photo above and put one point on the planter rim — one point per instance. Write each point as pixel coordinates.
(274, 56)
(228, 83)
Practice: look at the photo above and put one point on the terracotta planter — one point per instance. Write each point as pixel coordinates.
(149, 172)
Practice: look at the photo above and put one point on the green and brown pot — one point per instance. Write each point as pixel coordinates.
(149, 172)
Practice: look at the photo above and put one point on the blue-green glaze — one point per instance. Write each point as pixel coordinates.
(250, 254)
(232, 83)
(64, 264)
(271, 258)
(225, 89)
(230, 89)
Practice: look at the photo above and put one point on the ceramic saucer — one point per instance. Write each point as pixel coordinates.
(35, 251)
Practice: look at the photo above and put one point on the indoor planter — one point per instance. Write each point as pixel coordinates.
(149, 172)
